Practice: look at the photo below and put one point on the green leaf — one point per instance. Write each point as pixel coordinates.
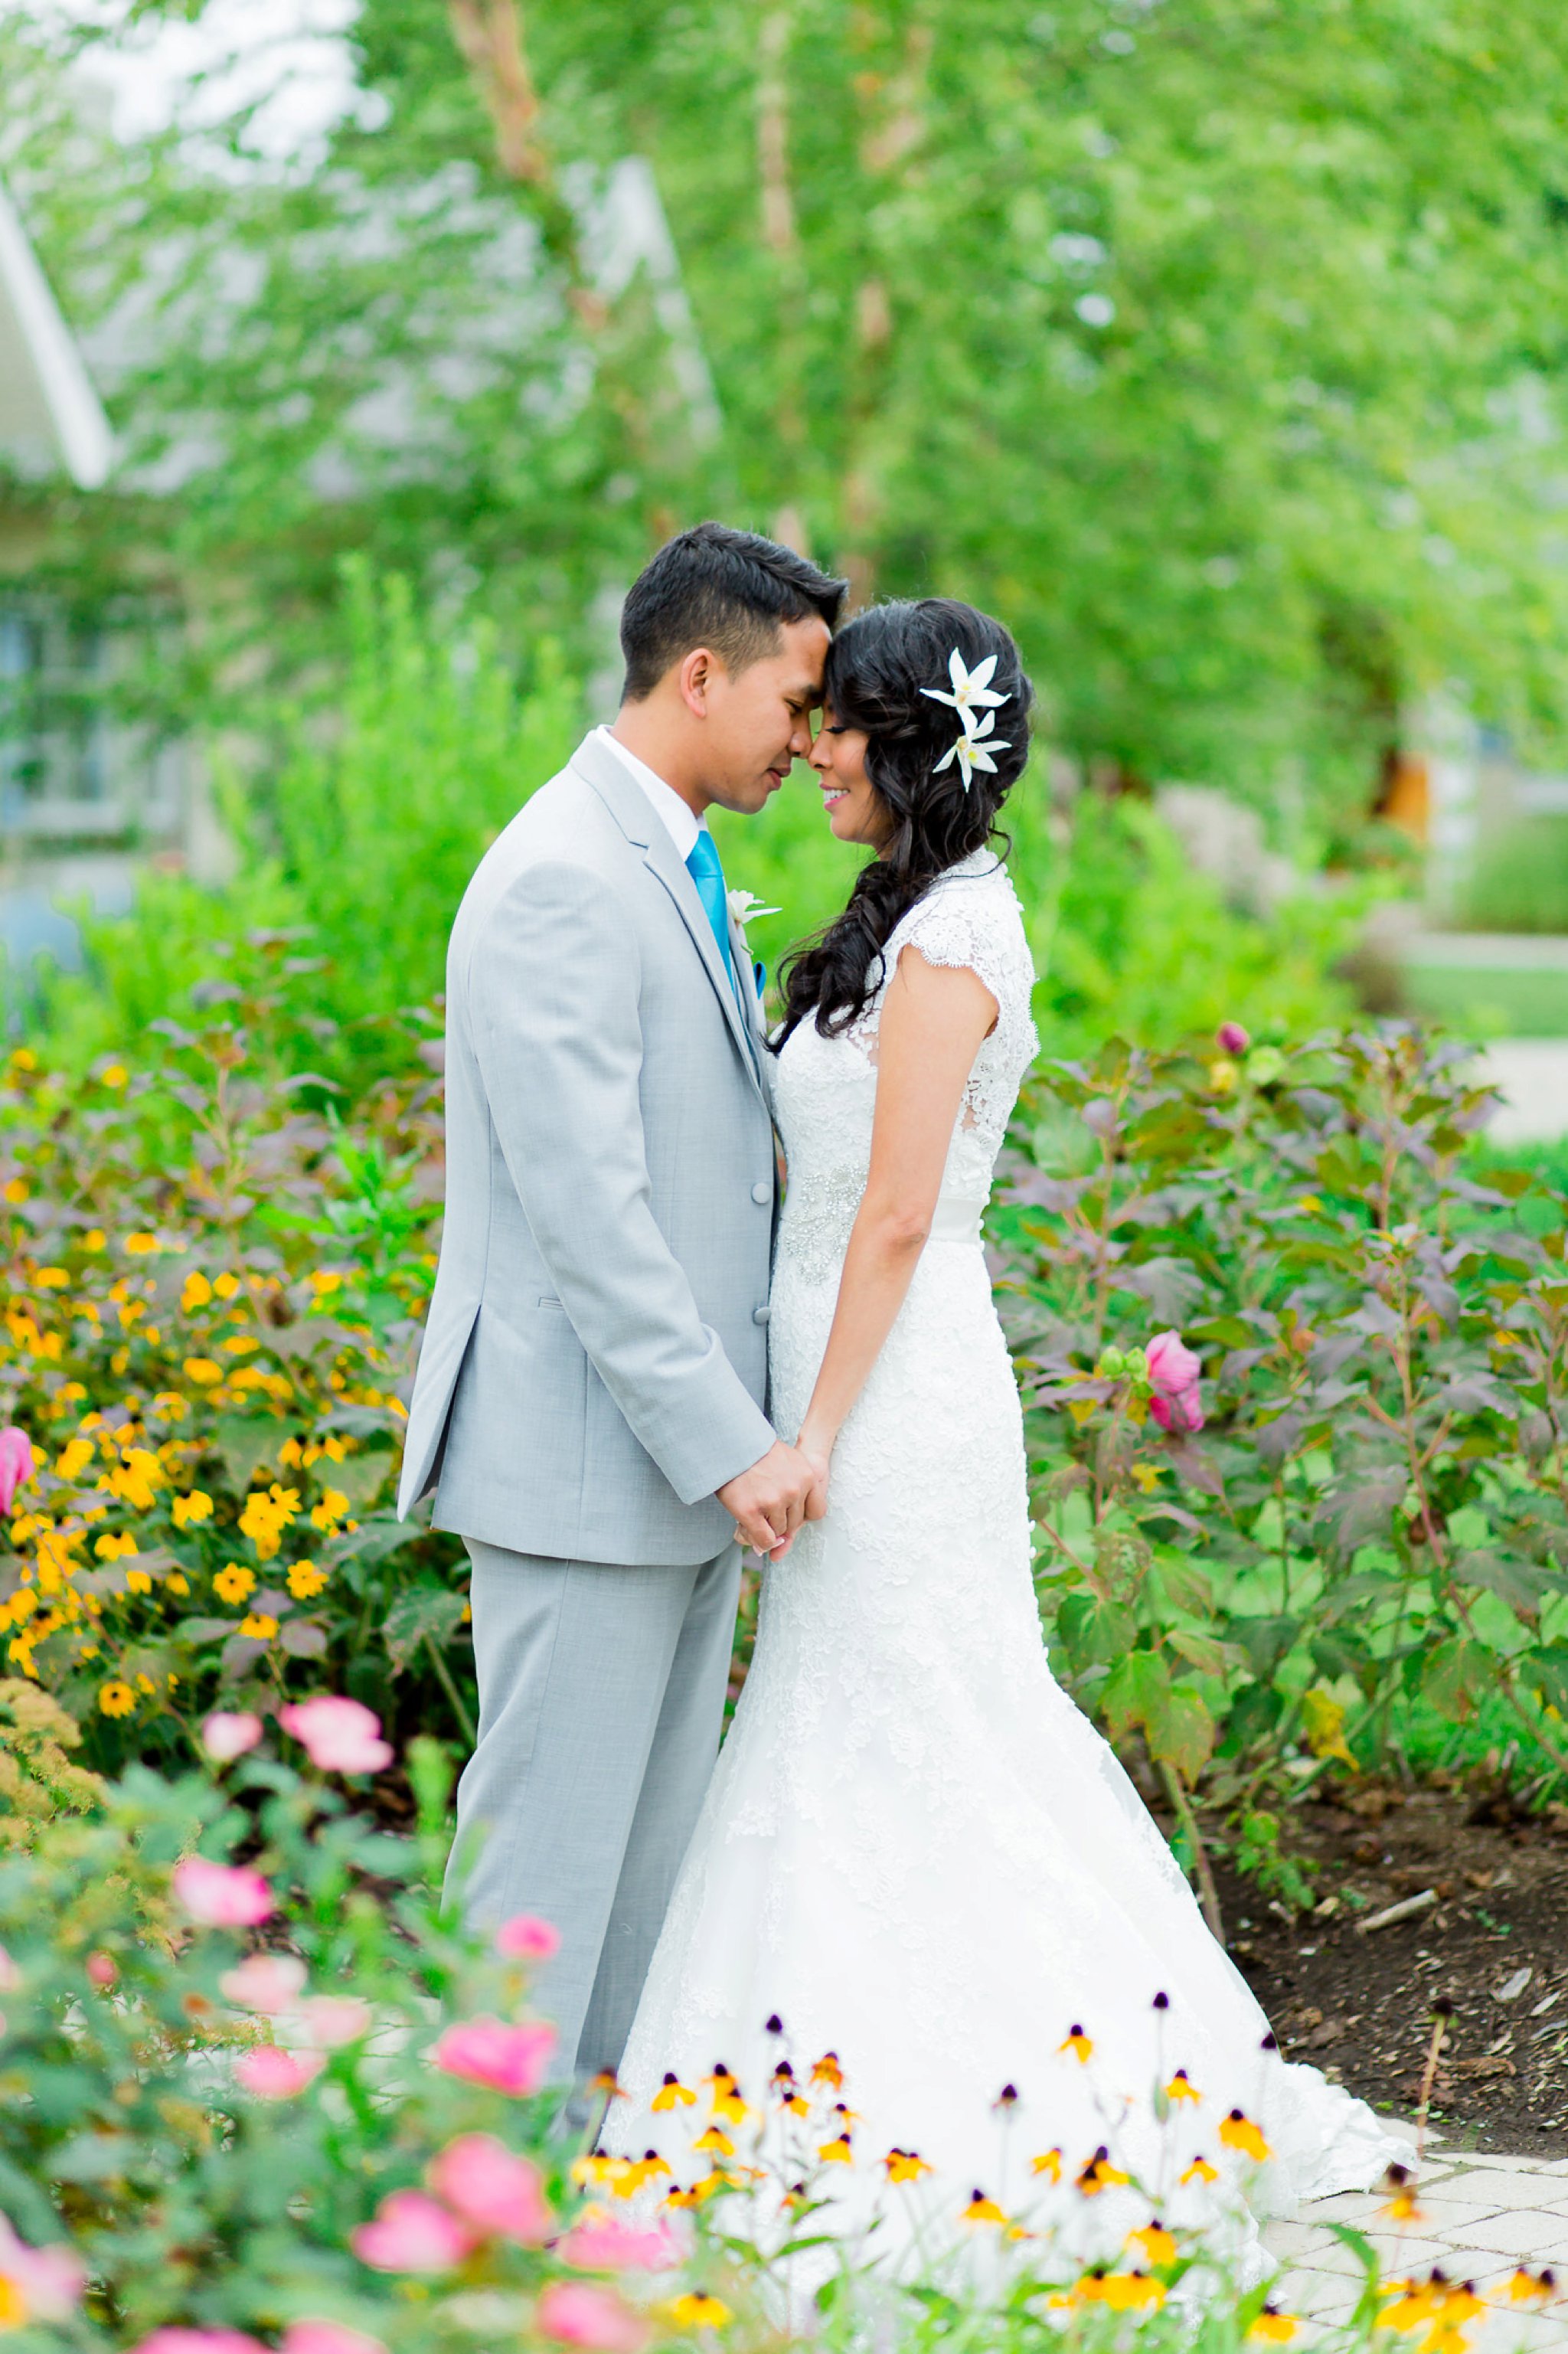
(1137, 1688)
(1181, 1731)
(421, 1611)
(1457, 1677)
(1524, 1585)
(1093, 1631)
(245, 1442)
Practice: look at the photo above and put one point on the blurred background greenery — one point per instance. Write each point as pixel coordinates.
(1215, 344)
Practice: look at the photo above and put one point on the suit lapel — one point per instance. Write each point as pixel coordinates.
(629, 807)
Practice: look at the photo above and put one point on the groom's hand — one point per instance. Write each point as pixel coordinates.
(768, 1504)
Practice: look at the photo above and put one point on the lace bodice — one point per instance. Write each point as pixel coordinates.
(825, 1090)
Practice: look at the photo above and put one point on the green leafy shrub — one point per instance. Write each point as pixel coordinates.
(1371, 1516)
(212, 1296)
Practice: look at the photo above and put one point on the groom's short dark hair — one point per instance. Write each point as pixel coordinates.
(713, 587)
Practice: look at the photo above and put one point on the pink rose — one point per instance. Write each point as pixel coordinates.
(222, 1895)
(338, 1735)
(491, 2187)
(174, 2340)
(270, 2074)
(16, 1463)
(326, 2021)
(265, 1982)
(228, 1733)
(101, 1970)
(328, 2338)
(597, 2244)
(576, 2313)
(51, 2279)
(1231, 1038)
(526, 1938)
(1181, 1414)
(488, 2051)
(10, 1976)
(1174, 1374)
(411, 2233)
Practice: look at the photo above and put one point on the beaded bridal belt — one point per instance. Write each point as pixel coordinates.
(817, 1216)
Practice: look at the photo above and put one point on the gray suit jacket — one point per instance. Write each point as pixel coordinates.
(595, 1359)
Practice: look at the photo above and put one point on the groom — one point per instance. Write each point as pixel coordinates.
(590, 1393)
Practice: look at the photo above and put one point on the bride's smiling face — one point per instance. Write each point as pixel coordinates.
(856, 810)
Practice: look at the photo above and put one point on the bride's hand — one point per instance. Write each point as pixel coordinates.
(817, 1452)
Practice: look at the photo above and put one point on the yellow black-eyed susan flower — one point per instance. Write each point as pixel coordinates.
(1122, 2292)
(1157, 2245)
(1049, 2164)
(1273, 2327)
(605, 2085)
(1078, 2044)
(981, 2209)
(672, 2095)
(828, 2072)
(1201, 2170)
(836, 2152)
(115, 1699)
(905, 2166)
(1238, 2132)
(1526, 2287)
(1182, 2087)
(714, 2139)
(1100, 2174)
(696, 2310)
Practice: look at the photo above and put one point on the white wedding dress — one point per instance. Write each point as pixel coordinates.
(916, 1851)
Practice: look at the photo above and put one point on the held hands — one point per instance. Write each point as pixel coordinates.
(769, 1502)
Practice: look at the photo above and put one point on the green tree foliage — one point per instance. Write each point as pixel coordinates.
(1215, 345)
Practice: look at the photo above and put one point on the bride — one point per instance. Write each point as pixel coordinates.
(915, 1853)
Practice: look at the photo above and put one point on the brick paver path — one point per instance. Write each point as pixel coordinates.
(1479, 2218)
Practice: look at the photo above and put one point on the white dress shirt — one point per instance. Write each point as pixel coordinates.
(680, 821)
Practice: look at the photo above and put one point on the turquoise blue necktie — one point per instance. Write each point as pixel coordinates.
(706, 872)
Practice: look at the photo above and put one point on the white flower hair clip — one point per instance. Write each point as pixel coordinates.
(972, 691)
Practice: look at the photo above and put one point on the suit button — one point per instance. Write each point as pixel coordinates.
(761, 1193)
(760, 1315)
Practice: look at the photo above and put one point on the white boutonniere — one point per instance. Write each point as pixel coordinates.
(744, 905)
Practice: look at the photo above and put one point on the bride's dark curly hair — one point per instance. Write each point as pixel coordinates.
(876, 668)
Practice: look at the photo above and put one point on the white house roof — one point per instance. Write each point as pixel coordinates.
(51, 420)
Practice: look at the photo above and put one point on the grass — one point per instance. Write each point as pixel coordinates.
(1481, 1004)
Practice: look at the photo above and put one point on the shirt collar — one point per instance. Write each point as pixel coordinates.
(679, 819)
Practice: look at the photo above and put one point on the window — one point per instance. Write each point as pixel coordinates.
(74, 760)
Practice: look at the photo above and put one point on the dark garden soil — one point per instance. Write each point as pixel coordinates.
(1492, 1941)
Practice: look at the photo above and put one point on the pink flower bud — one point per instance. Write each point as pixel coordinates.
(576, 2313)
(10, 1976)
(526, 1938)
(411, 2233)
(222, 1895)
(491, 2187)
(1233, 1039)
(338, 1735)
(16, 1463)
(101, 1970)
(488, 2051)
(265, 1982)
(328, 2021)
(50, 2279)
(1172, 1367)
(601, 2244)
(228, 1733)
(270, 2074)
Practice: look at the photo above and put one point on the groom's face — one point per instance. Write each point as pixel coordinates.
(758, 722)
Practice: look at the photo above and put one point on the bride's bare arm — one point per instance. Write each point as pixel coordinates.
(934, 1018)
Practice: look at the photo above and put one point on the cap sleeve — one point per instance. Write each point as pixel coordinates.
(956, 926)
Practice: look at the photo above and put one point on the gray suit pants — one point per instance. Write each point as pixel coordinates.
(600, 1705)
